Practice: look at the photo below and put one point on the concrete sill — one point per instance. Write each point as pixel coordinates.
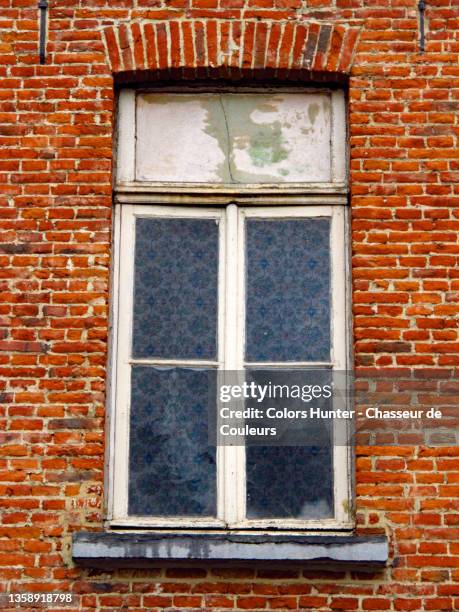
(108, 549)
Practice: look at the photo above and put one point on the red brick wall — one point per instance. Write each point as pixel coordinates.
(56, 138)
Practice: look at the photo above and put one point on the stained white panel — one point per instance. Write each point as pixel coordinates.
(233, 138)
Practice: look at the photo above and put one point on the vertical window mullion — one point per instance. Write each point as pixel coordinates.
(223, 461)
(230, 456)
(241, 335)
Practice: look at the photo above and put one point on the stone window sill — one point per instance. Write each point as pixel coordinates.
(110, 549)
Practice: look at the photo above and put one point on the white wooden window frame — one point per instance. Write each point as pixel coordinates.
(231, 205)
(231, 489)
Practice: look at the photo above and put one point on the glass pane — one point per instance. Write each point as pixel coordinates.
(289, 482)
(288, 289)
(233, 138)
(171, 465)
(176, 288)
(291, 476)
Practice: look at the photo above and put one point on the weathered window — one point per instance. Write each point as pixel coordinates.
(230, 256)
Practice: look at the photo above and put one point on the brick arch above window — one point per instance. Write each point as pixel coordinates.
(231, 49)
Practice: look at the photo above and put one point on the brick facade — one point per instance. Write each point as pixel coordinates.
(56, 143)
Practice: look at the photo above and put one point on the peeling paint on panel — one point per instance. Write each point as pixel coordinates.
(275, 140)
(174, 142)
(233, 138)
(313, 111)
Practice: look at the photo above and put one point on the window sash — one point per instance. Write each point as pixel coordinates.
(125, 361)
(234, 457)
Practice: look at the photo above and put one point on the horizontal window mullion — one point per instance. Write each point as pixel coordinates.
(289, 364)
(185, 193)
(172, 362)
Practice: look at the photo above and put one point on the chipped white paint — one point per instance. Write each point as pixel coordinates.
(172, 142)
(97, 550)
(232, 138)
(125, 167)
(285, 139)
